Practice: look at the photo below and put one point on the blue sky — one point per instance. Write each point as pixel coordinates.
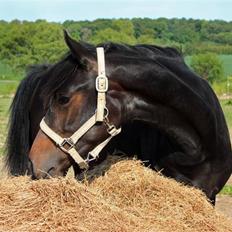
(61, 10)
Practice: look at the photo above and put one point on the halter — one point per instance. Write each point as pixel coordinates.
(101, 115)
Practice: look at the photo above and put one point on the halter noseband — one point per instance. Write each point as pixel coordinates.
(101, 115)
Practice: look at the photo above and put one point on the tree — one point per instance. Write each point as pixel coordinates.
(23, 42)
(208, 66)
(121, 31)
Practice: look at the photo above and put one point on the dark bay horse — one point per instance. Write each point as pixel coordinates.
(169, 115)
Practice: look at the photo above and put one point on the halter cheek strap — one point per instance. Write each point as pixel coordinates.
(101, 85)
(68, 144)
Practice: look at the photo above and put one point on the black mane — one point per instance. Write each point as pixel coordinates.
(141, 50)
(58, 74)
(18, 141)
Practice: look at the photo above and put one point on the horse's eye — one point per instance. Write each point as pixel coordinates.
(62, 100)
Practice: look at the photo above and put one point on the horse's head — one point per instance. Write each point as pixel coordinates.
(75, 123)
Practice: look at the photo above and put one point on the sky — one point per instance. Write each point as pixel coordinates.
(61, 10)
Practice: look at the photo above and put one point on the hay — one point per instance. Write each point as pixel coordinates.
(129, 197)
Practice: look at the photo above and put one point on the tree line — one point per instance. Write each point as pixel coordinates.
(23, 42)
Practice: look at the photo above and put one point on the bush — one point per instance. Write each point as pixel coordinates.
(208, 66)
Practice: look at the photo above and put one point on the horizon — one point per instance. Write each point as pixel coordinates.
(89, 10)
(92, 20)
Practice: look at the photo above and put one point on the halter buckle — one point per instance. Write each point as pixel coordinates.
(66, 142)
(111, 129)
(102, 84)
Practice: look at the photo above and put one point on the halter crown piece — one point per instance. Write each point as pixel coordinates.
(101, 115)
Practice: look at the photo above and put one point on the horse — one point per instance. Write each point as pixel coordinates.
(170, 116)
(27, 110)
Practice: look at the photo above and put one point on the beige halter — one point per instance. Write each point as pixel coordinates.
(101, 115)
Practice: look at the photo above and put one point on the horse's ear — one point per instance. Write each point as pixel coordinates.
(78, 50)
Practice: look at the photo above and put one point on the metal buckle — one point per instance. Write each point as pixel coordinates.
(111, 129)
(66, 142)
(101, 84)
(106, 113)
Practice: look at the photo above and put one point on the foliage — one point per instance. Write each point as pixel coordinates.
(219, 87)
(227, 109)
(121, 31)
(208, 66)
(227, 190)
(24, 42)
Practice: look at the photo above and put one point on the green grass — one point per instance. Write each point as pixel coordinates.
(4, 108)
(227, 64)
(9, 79)
(227, 109)
(7, 73)
(8, 87)
(227, 190)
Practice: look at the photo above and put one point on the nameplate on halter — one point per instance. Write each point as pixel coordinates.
(102, 84)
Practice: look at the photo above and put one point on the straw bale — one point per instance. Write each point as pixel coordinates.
(129, 197)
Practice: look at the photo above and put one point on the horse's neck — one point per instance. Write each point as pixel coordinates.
(164, 118)
(166, 100)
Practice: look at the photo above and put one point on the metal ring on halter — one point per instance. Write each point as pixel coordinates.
(89, 159)
(106, 111)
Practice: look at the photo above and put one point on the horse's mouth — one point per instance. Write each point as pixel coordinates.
(50, 173)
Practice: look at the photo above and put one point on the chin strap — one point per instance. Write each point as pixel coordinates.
(68, 144)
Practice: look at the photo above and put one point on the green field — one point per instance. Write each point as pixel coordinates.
(226, 61)
(8, 87)
(4, 108)
(9, 80)
(227, 64)
(7, 73)
(227, 109)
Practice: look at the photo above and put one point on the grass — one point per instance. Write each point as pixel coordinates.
(227, 190)
(227, 109)
(8, 87)
(9, 80)
(7, 73)
(4, 108)
(227, 64)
